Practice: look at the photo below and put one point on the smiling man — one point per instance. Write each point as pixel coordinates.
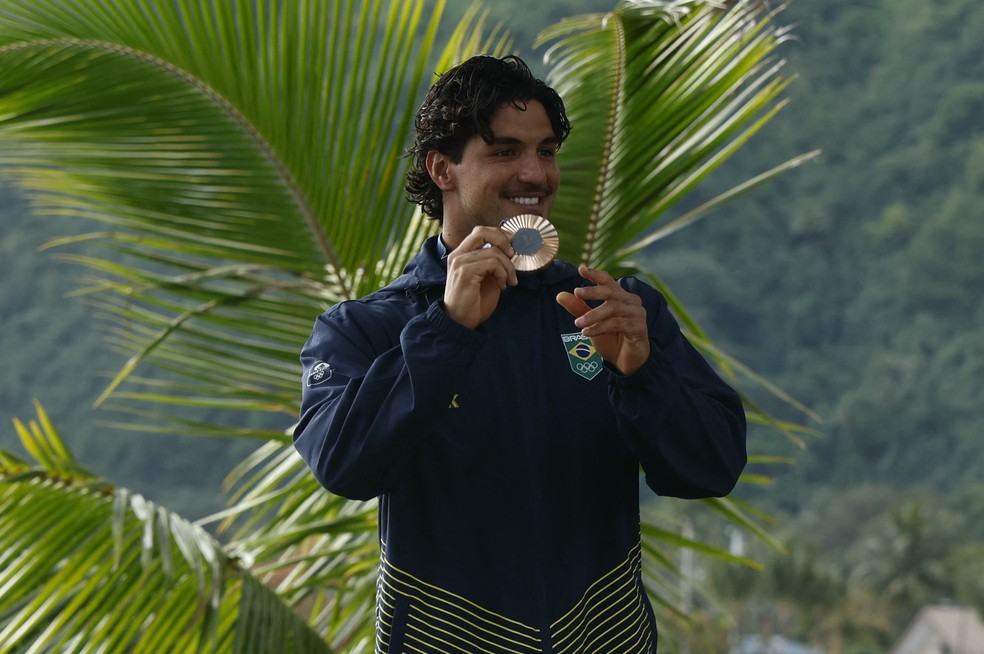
(500, 416)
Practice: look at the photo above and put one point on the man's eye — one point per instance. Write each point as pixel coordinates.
(548, 153)
(503, 153)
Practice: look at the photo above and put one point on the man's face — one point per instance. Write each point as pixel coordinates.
(516, 173)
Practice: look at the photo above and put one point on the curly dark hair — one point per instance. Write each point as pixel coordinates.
(460, 104)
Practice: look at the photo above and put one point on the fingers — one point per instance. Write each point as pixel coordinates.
(597, 276)
(606, 287)
(479, 264)
(486, 251)
(615, 321)
(616, 310)
(629, 320)
(574, 305)
(479, 269)
(486, 238)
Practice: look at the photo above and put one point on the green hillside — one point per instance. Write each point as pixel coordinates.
(855, 282)
(54, 351)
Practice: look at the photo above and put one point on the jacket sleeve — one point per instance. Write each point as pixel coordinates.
(366, 402)
(686, 425)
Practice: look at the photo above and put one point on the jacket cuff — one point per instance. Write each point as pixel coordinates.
(453, 330)
(656, 367)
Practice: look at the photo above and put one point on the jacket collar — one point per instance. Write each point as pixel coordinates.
(428, 269)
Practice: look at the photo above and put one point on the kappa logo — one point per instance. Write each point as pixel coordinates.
(320, 373)
(583, 357)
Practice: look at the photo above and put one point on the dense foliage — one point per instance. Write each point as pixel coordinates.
(854, 283)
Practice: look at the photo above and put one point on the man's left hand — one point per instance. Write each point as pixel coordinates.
(617, 327)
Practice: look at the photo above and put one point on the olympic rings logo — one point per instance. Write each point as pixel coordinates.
(587, 366)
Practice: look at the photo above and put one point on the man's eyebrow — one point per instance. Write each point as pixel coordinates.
(512, 140)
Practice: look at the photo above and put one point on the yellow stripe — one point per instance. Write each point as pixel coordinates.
(430, 633)
(591, 591)
(626, 617)
(460, 623)
(457, 601)
(617, 593)
(585, 629)
(639, 633)
(470, 633)
(634, 554)
(415, 649)
(642, 634)
(424, 643)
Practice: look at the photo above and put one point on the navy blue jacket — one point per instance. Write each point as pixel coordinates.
(506, 460)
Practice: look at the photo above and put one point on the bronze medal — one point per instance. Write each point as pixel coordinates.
(534, 240)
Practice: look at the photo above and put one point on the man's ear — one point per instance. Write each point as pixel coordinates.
(439, 168)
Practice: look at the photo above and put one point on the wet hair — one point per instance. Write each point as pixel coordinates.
(461, 104)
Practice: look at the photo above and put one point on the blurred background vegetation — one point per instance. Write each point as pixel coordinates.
(854, 283)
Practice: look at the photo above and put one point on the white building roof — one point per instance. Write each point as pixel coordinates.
(943, 630)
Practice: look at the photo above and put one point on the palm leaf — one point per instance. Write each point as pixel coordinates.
(86, 567)
(242, 199)
(661, 94)
(319, 551)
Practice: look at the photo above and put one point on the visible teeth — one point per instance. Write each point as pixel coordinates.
(530, 201)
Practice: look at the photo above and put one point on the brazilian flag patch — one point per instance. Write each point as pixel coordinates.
(584, 359)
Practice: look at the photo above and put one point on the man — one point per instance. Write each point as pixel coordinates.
(501, 417)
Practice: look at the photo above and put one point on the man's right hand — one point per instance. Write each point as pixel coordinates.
(479, 269)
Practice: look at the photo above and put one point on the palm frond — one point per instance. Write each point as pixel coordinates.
(319, 551)
(661, 93)
(231, 154)
(251, 119)
(86, 566)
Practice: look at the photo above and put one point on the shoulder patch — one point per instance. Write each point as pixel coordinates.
(320, 373)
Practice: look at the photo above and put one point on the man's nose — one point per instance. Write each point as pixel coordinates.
(533, 170)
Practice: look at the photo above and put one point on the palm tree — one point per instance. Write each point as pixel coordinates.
(903, 558)
(244, 159)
